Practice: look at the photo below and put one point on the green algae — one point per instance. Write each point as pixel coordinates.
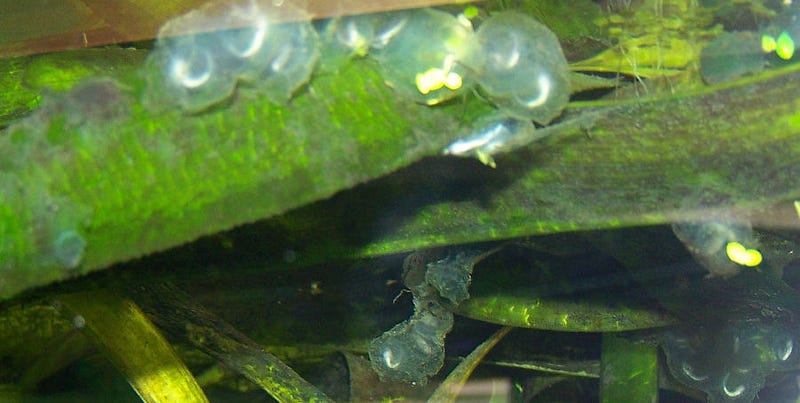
(150, 179)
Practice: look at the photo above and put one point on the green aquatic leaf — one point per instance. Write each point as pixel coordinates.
(130, 181)
(606, 165)
(628, 371)
(129, 340)
(450, 388)
(174, 311)
(501, 299)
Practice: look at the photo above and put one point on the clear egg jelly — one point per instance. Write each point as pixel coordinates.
(344, 38)
(426, 55)
(197, 69)
(423, 54)
(523, 69)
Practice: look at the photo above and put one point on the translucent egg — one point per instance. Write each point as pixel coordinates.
(203, 54)
(389, 26)
(343, 38)
(357, 32)
(451, 276)
(413, 350)
(712, 244)
(423, 53)
(249, 32)
(296, 51)
(730, 56)
(523, 69)
(189, 74)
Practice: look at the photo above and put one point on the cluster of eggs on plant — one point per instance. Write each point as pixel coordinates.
(426, 55)
(200, 67)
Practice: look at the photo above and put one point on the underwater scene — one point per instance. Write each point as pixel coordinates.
(400, 200)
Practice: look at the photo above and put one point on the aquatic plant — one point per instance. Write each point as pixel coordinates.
(108, 170)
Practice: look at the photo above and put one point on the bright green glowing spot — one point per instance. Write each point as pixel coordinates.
(485, 158)
(739, 254)
(784, 46)
(470, 11)
(768, 44)
(436, 78)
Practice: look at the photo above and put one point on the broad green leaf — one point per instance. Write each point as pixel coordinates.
(105, 172)
(607, 165)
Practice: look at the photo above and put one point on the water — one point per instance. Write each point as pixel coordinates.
(273, 190)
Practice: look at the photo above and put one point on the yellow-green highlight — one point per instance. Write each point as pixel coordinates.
(628, 371)
(132, 343)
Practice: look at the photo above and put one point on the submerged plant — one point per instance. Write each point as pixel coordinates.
(238, 115)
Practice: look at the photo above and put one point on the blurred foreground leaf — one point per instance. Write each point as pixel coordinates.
(629, 371)
(450, 388)
(131, 342)
(174, 311)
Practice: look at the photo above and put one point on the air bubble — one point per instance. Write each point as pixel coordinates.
(523, 70)
(68, 248)
(78, 322)
(422, 53)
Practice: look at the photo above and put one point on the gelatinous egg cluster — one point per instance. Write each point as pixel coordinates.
(432, 56)
(730, 364)
(413, 350)
(423, 54)
(426, 55)
(201, 69)
(738, 53)
(737, 332)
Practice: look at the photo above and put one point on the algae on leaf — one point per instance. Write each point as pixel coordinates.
(132, 181)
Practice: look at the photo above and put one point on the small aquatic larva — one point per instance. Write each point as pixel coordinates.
(489, 135)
